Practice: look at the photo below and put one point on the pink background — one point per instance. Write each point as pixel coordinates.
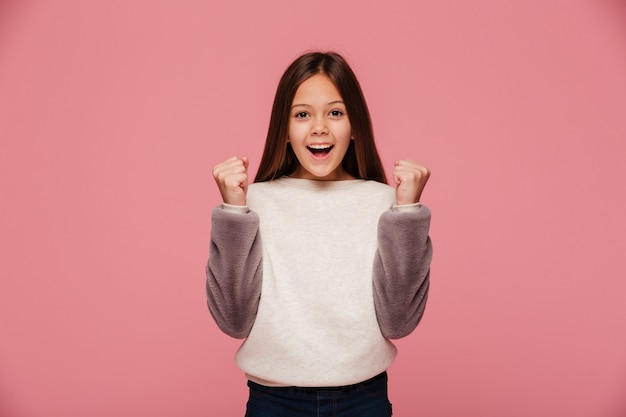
(112, 114)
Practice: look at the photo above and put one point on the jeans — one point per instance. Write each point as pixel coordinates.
(365, 399)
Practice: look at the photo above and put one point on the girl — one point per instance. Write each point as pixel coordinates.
(318, 263)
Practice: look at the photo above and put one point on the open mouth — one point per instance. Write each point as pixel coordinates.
(320, 150)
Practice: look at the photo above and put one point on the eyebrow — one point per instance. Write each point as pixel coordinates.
(308, 105)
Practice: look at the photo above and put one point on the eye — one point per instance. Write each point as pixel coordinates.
(336, 113)
(301, 115)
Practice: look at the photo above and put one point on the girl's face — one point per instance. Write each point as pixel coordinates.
(319, 130)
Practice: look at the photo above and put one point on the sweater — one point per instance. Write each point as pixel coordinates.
(318, 276)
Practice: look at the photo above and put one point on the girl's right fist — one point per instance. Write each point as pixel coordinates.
(231, 177)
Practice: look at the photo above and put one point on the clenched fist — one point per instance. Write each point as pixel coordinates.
(410, 178)
(231, 177)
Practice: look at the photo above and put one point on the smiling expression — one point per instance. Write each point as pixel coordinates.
(319, 130)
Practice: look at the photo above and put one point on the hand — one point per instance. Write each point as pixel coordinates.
(231, 177)
(410, 178)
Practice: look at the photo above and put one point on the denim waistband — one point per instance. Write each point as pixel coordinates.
(343, 388)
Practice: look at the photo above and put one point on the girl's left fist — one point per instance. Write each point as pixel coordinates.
(410, 178)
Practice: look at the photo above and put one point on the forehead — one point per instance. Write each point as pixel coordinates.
(319, 87)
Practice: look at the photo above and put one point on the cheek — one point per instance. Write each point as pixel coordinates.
(346, 131)
(294, 131)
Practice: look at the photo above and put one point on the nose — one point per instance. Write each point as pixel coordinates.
(319, 127)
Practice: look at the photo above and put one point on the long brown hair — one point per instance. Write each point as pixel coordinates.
(361, 159)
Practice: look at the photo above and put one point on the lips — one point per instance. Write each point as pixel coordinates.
(320, 149)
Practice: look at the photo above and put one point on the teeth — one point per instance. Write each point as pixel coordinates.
(316, 146)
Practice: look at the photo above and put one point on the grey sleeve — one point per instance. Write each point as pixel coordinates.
(234, 271)
(402, 270)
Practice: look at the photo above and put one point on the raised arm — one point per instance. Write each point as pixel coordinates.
(234, 270)
(402, 263)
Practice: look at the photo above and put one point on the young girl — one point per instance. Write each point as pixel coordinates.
(318, 263)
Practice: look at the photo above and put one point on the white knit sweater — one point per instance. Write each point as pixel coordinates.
(316, 284)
